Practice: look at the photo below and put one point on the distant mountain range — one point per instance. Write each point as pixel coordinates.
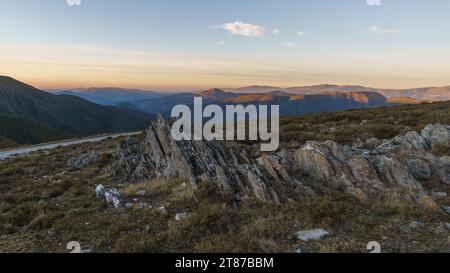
(110, 95)
(419, 94)
(290, 104)
(29, 116)
(142, 99)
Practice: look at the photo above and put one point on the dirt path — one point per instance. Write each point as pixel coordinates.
(25, 150)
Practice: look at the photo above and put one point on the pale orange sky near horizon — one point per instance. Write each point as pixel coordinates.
(177, 84)
(79, 66)
(175, 45)
(53, 66)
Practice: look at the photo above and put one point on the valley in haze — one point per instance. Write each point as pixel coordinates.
(43, 117)
(294, 100)
(109, 95)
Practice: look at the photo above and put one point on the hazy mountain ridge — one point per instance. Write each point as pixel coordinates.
(425, 94)
(47, 117)
(142, 99)
(110, 95)
(290, 104)
(94, 99)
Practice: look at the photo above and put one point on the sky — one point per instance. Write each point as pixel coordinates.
(199, 44)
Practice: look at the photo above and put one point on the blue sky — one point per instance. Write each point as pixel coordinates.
(181, 44)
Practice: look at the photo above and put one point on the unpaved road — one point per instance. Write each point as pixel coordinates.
(25, 150)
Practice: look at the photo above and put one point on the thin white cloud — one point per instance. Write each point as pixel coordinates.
(276, 31)
(244, 29)
(288, 45)
(73, 2)
(374, 2)
(381, 31)
(300, 33)
(222, 43)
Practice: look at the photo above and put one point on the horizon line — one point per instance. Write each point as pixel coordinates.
(199, 89)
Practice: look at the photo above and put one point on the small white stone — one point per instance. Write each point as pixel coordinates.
(181, 216)
(308, 235)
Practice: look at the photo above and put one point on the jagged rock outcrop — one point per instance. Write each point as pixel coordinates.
(341, 167)
(402, 163)
(160, 156)
(195, 160)
(431, 136)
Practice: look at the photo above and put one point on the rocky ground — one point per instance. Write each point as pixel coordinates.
(148, 193)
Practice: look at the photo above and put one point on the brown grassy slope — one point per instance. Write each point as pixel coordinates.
(350, 126)
(44, 204)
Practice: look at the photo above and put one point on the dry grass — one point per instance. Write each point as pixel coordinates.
(44, 204)
(350, 126)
